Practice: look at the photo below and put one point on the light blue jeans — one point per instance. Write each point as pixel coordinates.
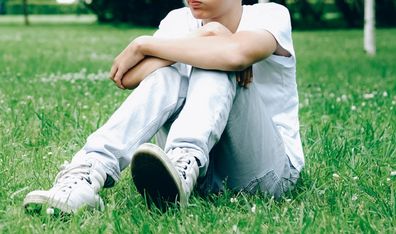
(207, 111)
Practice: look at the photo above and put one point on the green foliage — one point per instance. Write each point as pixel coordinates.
(336, 13)
(353, 12)
(54, 92)
(44, 8)
(139, 12)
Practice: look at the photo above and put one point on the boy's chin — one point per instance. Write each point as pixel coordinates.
(197, 14)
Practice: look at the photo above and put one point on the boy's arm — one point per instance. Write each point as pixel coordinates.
(235, 52)
(136, 74)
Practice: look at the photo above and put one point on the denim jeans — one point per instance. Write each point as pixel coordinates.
(206, 110)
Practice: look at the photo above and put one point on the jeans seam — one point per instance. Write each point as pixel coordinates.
(150, 125)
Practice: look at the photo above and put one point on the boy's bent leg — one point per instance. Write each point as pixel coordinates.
(109, 149)
(136, 121)
(204, 116)
(250, 155)
(192, 135)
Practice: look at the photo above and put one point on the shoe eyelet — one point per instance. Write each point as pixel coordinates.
(185, 167)
(189, 162)
(75, 182)
(70, 187)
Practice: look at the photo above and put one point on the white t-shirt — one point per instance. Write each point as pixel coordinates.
(275, 76)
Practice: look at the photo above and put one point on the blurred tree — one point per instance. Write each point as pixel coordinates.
(25, 11)
(353, 12)
(311, 12)
(304, 13)
(369, 26)
(139, 12)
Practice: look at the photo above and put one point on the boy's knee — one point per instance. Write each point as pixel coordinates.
(213, 79)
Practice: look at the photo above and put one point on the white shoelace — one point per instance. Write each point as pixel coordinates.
(182, 160)
(71, 173)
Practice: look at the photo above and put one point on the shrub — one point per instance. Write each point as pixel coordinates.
(44, 8)
(139, 12)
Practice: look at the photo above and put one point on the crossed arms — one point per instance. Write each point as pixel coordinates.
(212, 47)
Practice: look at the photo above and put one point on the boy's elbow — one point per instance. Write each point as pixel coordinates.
(238, 60)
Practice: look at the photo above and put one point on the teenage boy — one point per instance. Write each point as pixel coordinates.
(217, 83)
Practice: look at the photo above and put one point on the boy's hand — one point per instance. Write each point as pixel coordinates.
(127, 59)
(245, 77)
(213, 29)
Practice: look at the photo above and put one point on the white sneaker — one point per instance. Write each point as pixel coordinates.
(76, 186)
(164, 178)
(185, 161)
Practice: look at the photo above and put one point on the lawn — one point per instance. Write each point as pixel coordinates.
(54, 92)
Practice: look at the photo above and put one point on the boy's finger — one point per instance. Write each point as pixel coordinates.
(117, 79)
(113, 71)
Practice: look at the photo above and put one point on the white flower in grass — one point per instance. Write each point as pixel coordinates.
(332, 95)
(49, 153)
(354, 197)
(393, 173)
(234, 228)
(336, 176)
(363, 103)
(253, 209)
(353, 107)
(50, 211)
(368, 95)
(344, 97)
(355, 177)
(388, 179)
(338, 99)
(393, 102)
(233, 200)
(321, 192)
(385, 94)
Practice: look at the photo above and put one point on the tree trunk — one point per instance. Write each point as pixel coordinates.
(263, 1)
(25, 11)
(369, 27)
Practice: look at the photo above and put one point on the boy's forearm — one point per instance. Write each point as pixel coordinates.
(136, 74)
(228, 53)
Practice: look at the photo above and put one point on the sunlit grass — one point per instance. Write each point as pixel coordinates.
(54, 93)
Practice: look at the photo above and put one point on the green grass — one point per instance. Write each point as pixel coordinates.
(54, 93)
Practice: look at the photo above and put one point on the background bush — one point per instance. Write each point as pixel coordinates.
(46, 7)
(139, 12)
(306, 14)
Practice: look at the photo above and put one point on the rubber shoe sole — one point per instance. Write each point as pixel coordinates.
(156, 178)
(36, 203)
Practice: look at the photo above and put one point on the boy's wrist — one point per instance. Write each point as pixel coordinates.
(140, 44)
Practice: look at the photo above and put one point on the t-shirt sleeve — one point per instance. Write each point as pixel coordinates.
(173, 25)
(275, 19)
